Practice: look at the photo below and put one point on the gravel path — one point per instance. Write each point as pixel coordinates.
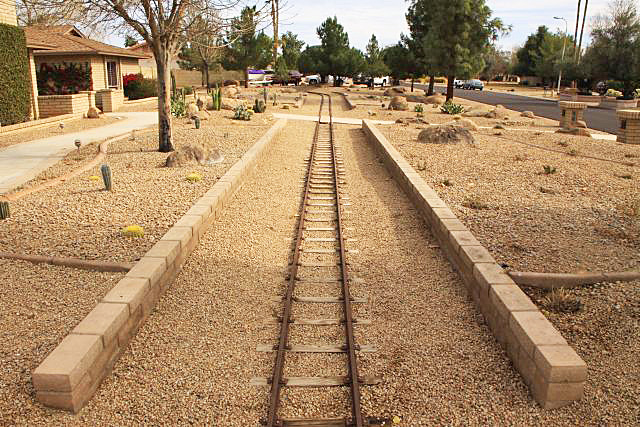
(41, 304)
(78, 219)
(53, 129)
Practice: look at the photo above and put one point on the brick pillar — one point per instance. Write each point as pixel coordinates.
(628, 126)
(572, 113)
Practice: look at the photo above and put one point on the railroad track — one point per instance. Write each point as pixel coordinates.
(321, 214)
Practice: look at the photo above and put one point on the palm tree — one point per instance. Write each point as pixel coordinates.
(584, 18)
(575, 36)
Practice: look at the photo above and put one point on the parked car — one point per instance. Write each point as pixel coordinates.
(473, 85)
(313, 79)
(458, 84)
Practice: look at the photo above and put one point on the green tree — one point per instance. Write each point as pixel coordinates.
(401, 61)
(496, 63)
(335, 48)
(419, 21)
(527, 54)
(615, 49)
(291, 49)
(310, 61)
(245, 47)
(541, 56)
(375, 66)
(130, 41)
(281, 70)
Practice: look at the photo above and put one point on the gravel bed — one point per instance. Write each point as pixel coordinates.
(144, 106)
(53, 129)
(41, 304)
(577, 219)
(192, 360)
(78, 219)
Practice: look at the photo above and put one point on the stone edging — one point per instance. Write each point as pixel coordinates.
(72, 372)
(35, 124)
(350, 103)
(139, 101)
(551, 369)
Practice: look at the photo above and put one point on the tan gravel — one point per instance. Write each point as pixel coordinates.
(78, 219)
(41, 304)
(53, 129)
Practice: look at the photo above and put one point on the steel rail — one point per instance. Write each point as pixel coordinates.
(276, 378)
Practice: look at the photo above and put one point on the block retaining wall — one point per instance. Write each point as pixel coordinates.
(56, 105)
(551, 369)
(72, 372)
(34, 124)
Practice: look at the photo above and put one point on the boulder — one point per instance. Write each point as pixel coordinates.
(445, 134)
(191, 154)
(93, 113)
(477, 112)
(436, 99)
(395, 91)
(192, 109)
(230, 103)
(399, 103)
(417, 98)
(229, 92)
(528, 114)
(465, 124)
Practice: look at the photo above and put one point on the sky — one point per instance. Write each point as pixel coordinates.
(386, 18)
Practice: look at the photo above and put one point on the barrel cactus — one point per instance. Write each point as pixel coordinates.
(260, 106)
(4, 210)
(133, 231)
(242, 113)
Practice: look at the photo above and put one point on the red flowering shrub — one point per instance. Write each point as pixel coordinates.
(137, 87)
(64, 79)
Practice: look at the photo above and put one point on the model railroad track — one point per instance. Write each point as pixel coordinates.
(322, 213)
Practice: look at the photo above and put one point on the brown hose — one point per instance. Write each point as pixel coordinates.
(72, 262)
(567, 280)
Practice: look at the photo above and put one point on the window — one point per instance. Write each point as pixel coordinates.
(112, 74)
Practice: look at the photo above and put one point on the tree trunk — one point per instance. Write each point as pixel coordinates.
(575, 36)
(450, 80)
(164, 103)
(246, 77)
(432, 83)
(412, 82)
(275, 17)
(206, 75)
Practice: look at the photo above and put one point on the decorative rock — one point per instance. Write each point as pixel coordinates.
(192, 109)
(190, 154)
(465, 124)
(93, 113)
(230, 104)
(229, 91)
(395, 91)
(446, 134)
(528, 114)
(399, 103)
(436, 99)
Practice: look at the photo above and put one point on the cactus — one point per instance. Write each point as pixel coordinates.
(259, 106)
(106, 176)
(4, 210)
(275, 98)
(217, 98)
(133, 231)
(242, 113)
(197, 122)
(265, 95)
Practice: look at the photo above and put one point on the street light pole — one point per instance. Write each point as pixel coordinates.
(564, 46)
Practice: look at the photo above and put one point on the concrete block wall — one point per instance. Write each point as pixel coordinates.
(56, 105)
(8, 12)
(109, 100)
(552, 370)
(72, 372)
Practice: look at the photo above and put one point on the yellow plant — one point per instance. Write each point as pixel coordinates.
(396, 420)
(194, 177)
(133, 231)
(94, 178)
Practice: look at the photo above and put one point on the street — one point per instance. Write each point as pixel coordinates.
(596, 118)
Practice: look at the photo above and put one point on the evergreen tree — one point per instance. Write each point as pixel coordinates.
(130, 41)
(291, 49)
(375, 66)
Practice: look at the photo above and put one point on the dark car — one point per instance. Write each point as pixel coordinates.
(473, 85)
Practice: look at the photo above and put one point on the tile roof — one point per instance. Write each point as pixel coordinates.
(65, 43)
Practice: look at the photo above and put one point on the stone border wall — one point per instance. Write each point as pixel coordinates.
(56, 105)
(35, 124)
(72, 372)
(551, 369)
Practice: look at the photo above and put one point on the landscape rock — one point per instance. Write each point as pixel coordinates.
(399, 103)
(229, 91)
(93, 113)
(192, 109)
(465, 124)
(395, 91)
(528, 114)
(446, 134)
(575, 131)
(230, 103)
(191, 154)
(417, 98)
(436, 99)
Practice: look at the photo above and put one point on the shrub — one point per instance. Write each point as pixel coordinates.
(194, 177)
(636, 93)
(137, 87)
(613, 92)
(15, 85)
(178, 106)
(451, 108)
(419, 108)
(64, 79)
(561, 301)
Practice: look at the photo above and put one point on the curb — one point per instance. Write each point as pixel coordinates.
(36, 124)
(551, 369)
(70, 375)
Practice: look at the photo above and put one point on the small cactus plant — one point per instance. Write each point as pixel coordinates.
(4, 210)
(549, 170)
(197, 122)
(93, 178)
(275, 98)
(419, 108)
(217, 98)
(194, 177)
(133, 231)
(265, 95)
(106, 176)
(259, 107)
(242, 113)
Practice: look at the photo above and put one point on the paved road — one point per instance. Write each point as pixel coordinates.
(596, 118)
(21, 162)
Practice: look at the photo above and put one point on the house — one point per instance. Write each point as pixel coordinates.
(148, 65)
(65, 47)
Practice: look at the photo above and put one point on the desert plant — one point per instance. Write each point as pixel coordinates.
(419, 108)
(265, 95)
(194, 177)
(563, 143)
(4, 209)
(241, 112)
(178, 105)
(561, 301)
(260, 106)
(451, 108)
(106, 176)
(549, 170)
(196, 121)
(216, 98)
(613, 92)
(133, 231)
(274, 97)
(447, 183)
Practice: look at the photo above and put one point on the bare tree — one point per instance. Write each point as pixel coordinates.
(205, 40)
(163, 25)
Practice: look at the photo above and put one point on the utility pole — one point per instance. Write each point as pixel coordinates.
(575, 36)
(564, 46)
(584, 18)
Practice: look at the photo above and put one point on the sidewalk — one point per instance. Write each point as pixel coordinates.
(21, 162)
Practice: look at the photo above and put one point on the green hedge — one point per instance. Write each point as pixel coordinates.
(15, 84)
(137, 87)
